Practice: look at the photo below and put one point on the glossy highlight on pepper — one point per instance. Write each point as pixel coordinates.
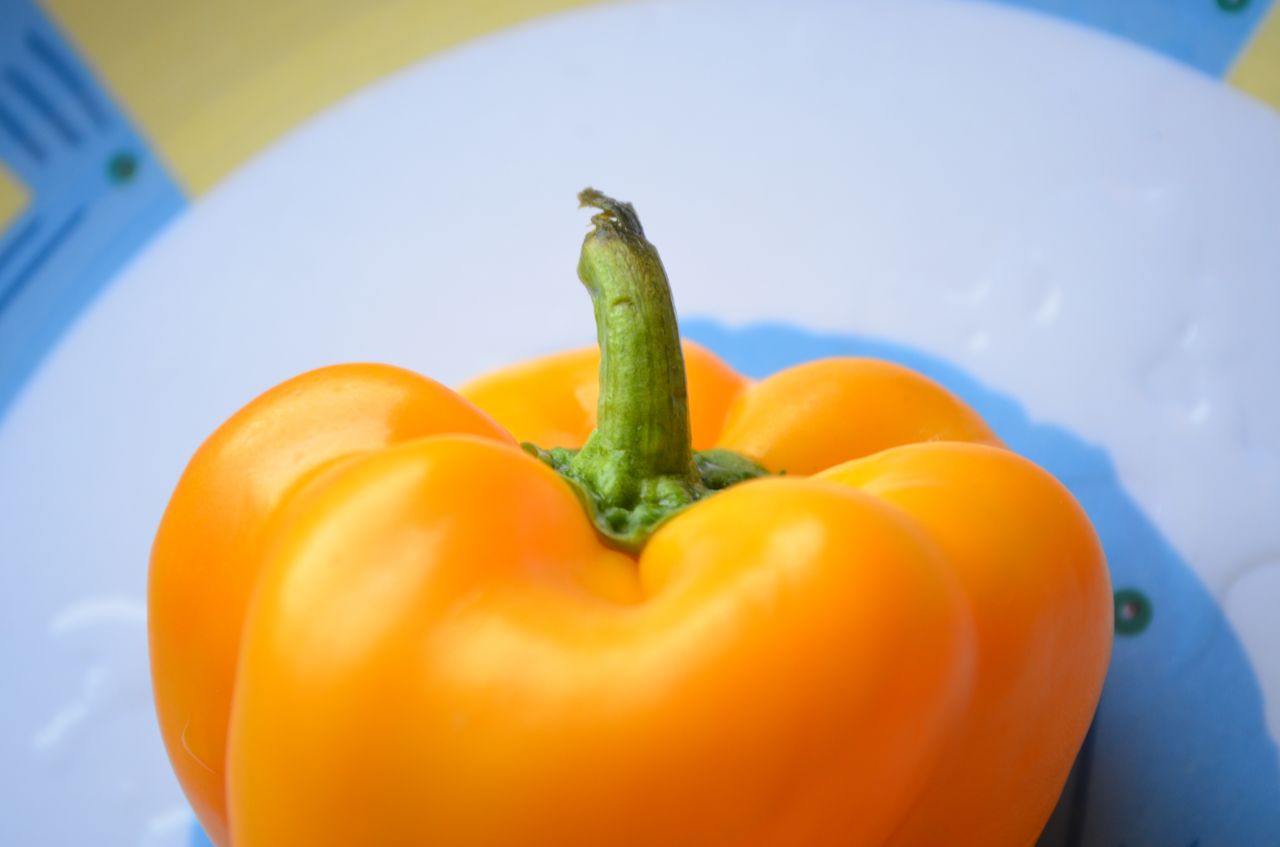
(376, 619)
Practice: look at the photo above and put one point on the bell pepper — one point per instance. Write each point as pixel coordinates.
(825, 608)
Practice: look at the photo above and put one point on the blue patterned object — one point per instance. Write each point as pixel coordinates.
(1206, 34)
(98, 194)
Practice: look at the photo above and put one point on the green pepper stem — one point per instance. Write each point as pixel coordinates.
(638, 467)
(642, 432)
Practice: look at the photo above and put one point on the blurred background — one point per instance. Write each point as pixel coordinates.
(1065, 210)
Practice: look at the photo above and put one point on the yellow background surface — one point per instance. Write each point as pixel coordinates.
(13, 198)
(211, 83)
(1257, 71)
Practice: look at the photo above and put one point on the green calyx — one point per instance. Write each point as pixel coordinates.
(637, 468)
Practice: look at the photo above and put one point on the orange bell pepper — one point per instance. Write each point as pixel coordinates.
(376, 621)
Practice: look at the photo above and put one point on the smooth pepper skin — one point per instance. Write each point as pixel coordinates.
(899, 642)
(208, 553)
(377, 621)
